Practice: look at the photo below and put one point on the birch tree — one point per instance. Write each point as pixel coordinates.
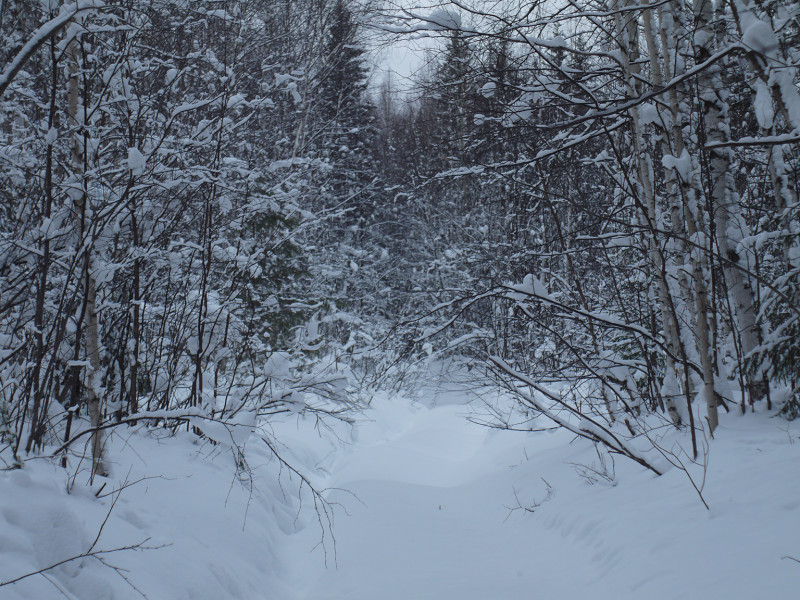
(683, 282)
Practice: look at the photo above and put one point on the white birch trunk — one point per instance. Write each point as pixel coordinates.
(628, 34)
(92, 334)
(728, 225)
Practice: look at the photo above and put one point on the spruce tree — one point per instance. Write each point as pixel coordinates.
(344, 115)
(344, 137)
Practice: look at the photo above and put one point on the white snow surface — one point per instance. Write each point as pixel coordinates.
(136, 161)
(192, 509)
(426, 505)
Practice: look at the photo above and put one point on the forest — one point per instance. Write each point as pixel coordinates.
(217, 216)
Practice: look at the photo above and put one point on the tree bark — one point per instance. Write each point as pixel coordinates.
(92, 340)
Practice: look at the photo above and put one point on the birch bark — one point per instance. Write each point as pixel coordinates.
(75, 119)
(628, 35)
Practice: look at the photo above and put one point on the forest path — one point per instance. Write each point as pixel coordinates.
(433, 517)
(434, 511)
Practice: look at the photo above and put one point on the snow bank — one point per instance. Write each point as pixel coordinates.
(211, 534)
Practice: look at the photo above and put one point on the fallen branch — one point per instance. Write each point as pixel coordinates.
(89, 554)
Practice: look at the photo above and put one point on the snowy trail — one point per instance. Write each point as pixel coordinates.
(433, 520)
(434, 517)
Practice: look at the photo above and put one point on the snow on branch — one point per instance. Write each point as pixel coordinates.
(43, 34)
(587, 427)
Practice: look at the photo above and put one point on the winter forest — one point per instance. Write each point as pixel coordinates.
(277, 322)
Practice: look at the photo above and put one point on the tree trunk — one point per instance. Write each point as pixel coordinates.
(92, 341)
(628, 34)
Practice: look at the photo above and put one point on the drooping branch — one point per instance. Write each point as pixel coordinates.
(42, 35)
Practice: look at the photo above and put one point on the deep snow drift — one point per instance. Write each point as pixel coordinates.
(426, 505)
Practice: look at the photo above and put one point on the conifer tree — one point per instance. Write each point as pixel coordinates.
(345, 118)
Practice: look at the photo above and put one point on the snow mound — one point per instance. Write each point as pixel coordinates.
(193, 528)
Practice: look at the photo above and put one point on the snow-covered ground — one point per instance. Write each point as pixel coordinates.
(442, 514)
(426, 505)
(211, 536)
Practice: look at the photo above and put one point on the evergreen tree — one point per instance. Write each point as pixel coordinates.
(346, 241)
(345, 118)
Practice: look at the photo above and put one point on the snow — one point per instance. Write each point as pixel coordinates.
(136, 161)
(427, 504)
(648, 113)
(43, 33)
(682, 164)
(211, 537)
(171, 75)
(488, 90)
(760, 37)
(444, 19)
(531, 286)
(763, 106)
(557, 42)
(441, 514)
